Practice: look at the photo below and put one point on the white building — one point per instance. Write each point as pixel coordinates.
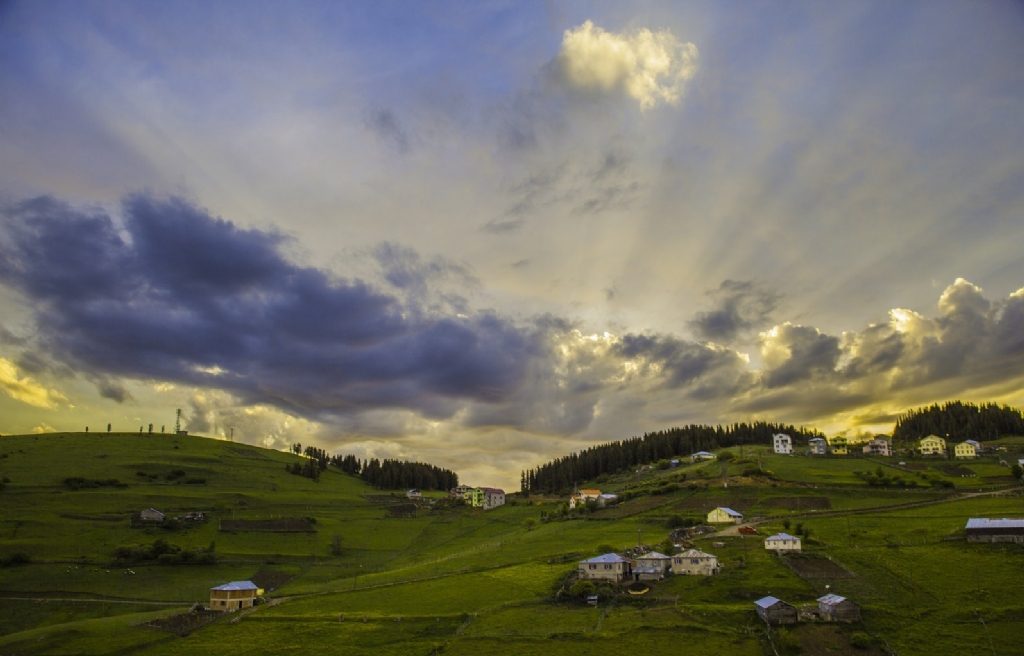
(695, 563)
(783, 443)
(493, 497)
(782, 542)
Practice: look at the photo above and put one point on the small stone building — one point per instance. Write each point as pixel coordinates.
(234, 595)
(775, 611)
(695, 563)
(608, 567)
(838, 609)
(151, 515)
(651, 566)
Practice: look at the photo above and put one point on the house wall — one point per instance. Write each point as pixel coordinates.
(1004, 535)
(719, 516)
(231, 599)
(778, 614)
(695, 566)
(782, 545)
(605, 571)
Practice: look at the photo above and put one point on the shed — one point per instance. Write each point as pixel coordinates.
(981, 529)
(151, 515)
(839, 609)
(775, 611)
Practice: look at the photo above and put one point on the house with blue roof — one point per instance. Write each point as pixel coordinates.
(775, 611)
(702, 455)
(724, 516)
(234, 595)
(783, 542)
(607, 567)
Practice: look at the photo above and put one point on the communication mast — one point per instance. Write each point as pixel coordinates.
(177, 423)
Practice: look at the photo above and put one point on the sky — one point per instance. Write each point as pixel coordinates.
(483, 235)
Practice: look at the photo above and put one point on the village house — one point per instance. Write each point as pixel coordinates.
(782, 443)
(151, 515)
(234, 595)
(933, 445)
(839, 446)
(487, 497)
(651, 566)
(695, 563)
(606, 499)
(981, 529)
(782, 542)
(414, 494)
(724, 516)
(608, 567)
(817, 446)
(701, 456)
(838, 609)
(460, 492)
(775, 611)
(965, 450)
(878, 447)
(582, 496)
(976, 444)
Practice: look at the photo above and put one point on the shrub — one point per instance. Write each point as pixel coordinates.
(860, 640)
(726, 456)
(582, 588)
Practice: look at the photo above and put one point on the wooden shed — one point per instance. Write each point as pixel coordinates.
(839, 609)
(775, 611)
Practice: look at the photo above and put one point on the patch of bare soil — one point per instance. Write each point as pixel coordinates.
(817, 568)
(797, 503)
(832, 639)
(270, 579)
(955, 470)
(183, 624)
(294, 525)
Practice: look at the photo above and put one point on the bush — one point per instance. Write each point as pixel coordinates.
(860, 640)
(726, 456)
(16, 558)
(582, 588)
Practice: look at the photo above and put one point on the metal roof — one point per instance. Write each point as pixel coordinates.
(980, 522)
(607, 558)
(703, 453)
(694, 553)
(782, 536)
(237, 585)
(730, 512)
(655, 555)
(831, 600)
(767, 602)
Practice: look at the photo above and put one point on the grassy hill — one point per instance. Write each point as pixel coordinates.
(460, 581)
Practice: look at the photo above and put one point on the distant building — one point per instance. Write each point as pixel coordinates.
(878, 447)
(838, 609)
(234, 595)
(695, 563)
(933, 445)
(817, 446)
(965, 450)
(775, 611)
(782, 542)
(651, 566)
(582, 497)
(724, 516)
(492, 497)
(839, 446)
(782, 443)
(151, 515)
(460, 492)
(702, 455)
(995, 530)
(607, 499)
(414, 494)
(608, 567)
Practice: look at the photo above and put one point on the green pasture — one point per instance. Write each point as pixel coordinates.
(468, 582)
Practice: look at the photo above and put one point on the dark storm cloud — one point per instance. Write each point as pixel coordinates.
(113, 390)
(809, 353)
(179, 295)
(709, 372)
(742, 307)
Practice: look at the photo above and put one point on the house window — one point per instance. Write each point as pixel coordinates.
(593, 566)
(695, 561)
(607, 566)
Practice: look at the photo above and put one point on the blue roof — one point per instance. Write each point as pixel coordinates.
(980, 522)
(781, 536)
(767, 602)
(975, 443)
(831, 599)
(730, 512)
(703, 453)
(607, 558)
(237, 585)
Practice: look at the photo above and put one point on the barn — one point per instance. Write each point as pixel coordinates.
(839, 609)
(980, 529)
(775, 611)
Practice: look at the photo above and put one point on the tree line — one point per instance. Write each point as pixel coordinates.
(561, 474)
(960, 421)
(387, 474)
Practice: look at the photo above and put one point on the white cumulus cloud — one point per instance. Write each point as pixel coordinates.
(650, 67)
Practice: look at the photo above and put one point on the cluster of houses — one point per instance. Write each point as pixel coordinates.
(581, 497)
(479, 497)
(652, 566)
(831, 608)
(932, 445)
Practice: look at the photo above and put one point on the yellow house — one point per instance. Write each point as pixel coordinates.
(724, 516)
(234, 595)
(965, 450)
(933, 445)
(838, 446)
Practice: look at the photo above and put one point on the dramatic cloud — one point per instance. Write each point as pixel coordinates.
(26, 390)
(649, 67)
(181, 296)
(741, 308)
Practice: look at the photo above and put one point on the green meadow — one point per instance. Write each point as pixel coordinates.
(455, 580)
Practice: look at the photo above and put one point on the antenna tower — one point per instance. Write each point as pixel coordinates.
(177, 423)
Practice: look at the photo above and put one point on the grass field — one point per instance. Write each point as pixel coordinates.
(462, 581)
